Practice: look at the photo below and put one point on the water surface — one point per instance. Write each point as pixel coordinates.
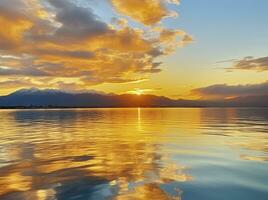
(134, 154)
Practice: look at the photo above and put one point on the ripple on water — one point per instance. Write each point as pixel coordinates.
(134, 154)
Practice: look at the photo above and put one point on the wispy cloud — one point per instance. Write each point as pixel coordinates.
(229, 91)
(251, 63)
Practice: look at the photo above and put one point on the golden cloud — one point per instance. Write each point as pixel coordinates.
(60, 39)
(11, 35)
(147, 12)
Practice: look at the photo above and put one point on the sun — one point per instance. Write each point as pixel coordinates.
(137, 91)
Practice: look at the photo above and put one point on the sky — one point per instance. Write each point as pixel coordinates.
(187, 49)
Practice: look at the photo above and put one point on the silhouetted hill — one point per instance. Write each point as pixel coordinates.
(56, 98)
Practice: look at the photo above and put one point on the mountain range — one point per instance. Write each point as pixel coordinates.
(50, 98)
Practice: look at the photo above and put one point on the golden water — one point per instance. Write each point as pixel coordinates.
(137, 153)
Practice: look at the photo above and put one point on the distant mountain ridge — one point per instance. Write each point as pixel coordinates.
(35, 91)
(51, 98)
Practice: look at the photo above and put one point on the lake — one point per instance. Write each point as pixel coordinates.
(134, 154)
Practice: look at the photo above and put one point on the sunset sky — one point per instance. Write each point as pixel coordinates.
(181, 49)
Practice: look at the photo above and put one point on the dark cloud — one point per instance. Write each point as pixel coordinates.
(66, 53)
(227, 91)
(25, 71)
(77, 21)
(13, 9)
(251, 63)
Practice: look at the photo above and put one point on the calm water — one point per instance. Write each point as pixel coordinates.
(134, 154)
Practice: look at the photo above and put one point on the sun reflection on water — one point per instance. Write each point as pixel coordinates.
(120, 153)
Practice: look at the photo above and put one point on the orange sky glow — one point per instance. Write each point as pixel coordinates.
(120, 46)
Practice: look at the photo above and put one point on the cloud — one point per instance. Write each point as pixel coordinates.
(121, 22)
(229, 91)
(26, 71)
(17, 83)
(65, 53)
(251, 63)
(11, 35)
(148, 12)
(61, 39)
(187, 39)
(171, 39)
(77, 21)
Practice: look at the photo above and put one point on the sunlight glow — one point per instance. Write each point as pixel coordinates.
(138, 91)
